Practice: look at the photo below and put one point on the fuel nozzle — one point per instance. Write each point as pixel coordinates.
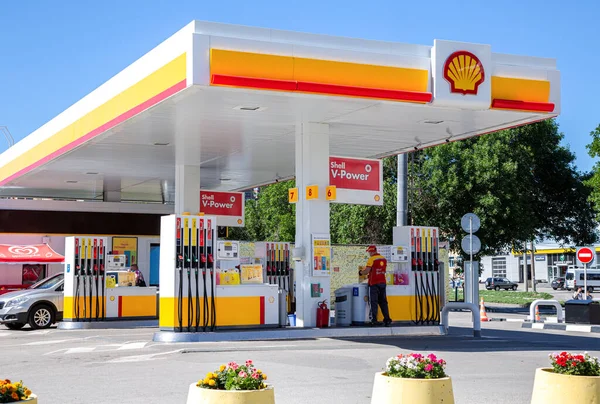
(203, 258)
(210, 259)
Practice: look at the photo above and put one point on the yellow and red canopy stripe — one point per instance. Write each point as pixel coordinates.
(521, 94)
(289, 73)
(147, 92)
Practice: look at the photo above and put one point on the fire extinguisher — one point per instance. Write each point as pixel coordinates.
(322, 314)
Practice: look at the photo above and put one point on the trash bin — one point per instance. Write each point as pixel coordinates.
(582, 312)
(361, 310)
(343, 306)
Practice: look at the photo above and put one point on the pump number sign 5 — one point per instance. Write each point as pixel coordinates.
(585, 255)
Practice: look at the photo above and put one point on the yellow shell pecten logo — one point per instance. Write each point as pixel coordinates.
(464, 72)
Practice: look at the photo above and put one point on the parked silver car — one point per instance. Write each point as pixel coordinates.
(40, 306)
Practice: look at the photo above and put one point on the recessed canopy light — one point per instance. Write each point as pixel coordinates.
(71, 182)
(161, 144)
(433, 122)
(225, 179)
(92, 173)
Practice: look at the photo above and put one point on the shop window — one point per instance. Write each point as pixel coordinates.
(499, 267)
(32, 273)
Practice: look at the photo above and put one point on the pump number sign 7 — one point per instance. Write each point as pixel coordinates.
(293, 195)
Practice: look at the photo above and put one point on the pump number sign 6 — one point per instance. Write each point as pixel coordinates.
(585, 255)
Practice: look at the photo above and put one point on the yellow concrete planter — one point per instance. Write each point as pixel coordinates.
(32, 399)
(550, 387)
(391, 390)
(198, 395)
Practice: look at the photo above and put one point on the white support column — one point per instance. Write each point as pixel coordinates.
(111, 189)
(187, 189)
(312, 168)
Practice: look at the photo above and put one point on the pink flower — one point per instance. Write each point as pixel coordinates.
(417, 356)
(255, 375)
(429, 368)
(233, 365)
(432, 357)
(248, 362)
(243, 374)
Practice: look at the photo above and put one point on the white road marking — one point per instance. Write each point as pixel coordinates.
(142, 358)
(537, 326)
(56, 341)
(132, 345)
(79, 350)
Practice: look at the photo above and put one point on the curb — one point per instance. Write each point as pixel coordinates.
(563, 327)
(298, 333)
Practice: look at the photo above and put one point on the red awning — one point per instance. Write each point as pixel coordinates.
(29, 254)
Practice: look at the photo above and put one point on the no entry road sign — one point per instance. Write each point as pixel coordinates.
(585, 255)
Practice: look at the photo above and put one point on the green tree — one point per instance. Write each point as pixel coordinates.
(521, 182)
(594, 178)
(269, 217)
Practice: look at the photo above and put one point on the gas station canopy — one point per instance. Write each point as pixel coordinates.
(229, 98)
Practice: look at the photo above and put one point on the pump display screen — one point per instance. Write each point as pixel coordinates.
(228, 248)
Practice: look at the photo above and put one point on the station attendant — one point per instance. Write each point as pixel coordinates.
(376, 267)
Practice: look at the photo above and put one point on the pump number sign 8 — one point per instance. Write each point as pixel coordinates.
(585, 255)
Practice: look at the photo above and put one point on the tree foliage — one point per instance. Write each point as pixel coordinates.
(521, 182)
(594, 179)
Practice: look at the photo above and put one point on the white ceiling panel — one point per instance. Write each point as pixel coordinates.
(238, 149)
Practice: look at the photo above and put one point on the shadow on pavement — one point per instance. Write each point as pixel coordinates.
(461, 340)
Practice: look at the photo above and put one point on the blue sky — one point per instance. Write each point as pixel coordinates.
(52, 53)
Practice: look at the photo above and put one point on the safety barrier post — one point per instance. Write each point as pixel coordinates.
(541, 302)
(467, 306)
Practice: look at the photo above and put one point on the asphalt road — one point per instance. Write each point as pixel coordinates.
(123, 366)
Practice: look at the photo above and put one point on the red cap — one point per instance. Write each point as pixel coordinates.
(371, 248)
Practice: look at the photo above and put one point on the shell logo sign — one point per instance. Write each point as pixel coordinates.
(465, 73)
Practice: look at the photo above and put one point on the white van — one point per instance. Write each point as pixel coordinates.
(574, 278)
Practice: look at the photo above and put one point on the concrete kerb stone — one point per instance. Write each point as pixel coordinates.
(106, 325)
(300, 333)
(562, 327)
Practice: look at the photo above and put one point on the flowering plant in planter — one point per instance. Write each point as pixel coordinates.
(575, 364)
(415, 366)
(13, 392)
(234, 377)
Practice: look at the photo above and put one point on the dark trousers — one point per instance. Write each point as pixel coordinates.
(378, 297)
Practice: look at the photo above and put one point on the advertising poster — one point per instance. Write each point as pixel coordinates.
(126, 246)
(357, 181)
(252, 273)
(321, 252)
(227, 206)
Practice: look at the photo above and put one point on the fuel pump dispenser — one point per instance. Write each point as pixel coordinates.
(99, 288)
(276, 256)
(428, 278)
(201, 284)
(187, 273)
(84, 290)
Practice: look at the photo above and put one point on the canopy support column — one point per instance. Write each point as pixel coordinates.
(111, 189)
(312, 216)
(187, 189)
